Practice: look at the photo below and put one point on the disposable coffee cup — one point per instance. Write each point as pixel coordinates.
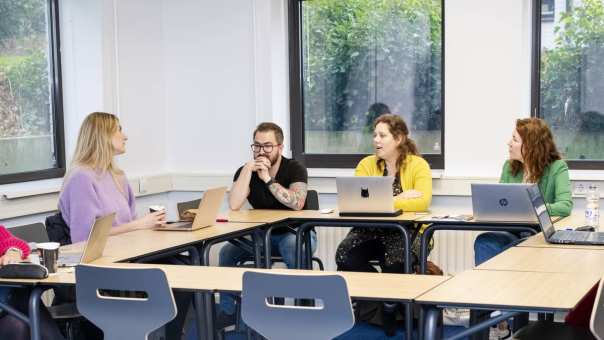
(49, 255)
(156, 208)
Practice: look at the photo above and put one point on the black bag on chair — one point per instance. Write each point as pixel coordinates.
(57, 229)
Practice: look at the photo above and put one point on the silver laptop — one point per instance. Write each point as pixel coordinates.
(366, 196)
(97, 239)
(550, 233)
(206, 213)
(502, 203)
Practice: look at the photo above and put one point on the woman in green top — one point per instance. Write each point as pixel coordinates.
(533, 159)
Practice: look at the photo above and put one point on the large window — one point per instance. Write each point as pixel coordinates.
(31, 124)
(568, 82)
(349, 60)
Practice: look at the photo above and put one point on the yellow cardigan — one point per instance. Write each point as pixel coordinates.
(415, 176)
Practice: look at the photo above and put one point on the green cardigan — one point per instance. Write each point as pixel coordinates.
(554, 185)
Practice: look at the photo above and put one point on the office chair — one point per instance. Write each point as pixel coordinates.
(35, 232)
(119, 315)
(66, 314)
(331, 316)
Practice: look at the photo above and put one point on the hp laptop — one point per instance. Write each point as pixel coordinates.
(366, 196)
(97, 239)
(206, 214)
(550, 233)
(502, 203)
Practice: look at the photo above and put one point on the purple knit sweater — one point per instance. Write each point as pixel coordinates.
(88, 195)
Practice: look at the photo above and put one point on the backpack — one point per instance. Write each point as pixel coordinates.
(57, 229)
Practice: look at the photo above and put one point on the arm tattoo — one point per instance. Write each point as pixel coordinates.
(293, 198)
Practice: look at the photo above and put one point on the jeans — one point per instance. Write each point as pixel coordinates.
(492, 243)
(283, 245)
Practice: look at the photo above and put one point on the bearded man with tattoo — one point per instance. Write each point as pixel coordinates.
(268, 181)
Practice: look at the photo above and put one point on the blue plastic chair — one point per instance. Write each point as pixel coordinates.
(329, 317)
(124, 316)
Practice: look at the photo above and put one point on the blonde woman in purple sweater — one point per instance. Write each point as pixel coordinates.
(95, 186)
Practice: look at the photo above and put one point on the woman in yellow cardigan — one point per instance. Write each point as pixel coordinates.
(395, 155)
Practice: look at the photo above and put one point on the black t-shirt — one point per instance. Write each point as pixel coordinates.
(260, 197)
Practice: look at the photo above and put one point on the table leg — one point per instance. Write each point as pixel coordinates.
(431, 331)
(34, 312)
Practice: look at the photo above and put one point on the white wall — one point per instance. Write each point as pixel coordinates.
(209, 84)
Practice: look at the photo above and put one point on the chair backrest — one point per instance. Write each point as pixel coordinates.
(596, 324)
(312, 200)
(326, 320)
(119, 316)
(35, 232)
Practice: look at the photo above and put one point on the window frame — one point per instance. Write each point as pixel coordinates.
(56, 93)
(296, 95)
(575, 164)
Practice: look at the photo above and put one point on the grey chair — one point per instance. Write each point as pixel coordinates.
(125, 315)
(329, 317)
(35, 232)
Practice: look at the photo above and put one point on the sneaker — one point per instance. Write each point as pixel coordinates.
(499, 332)
(456, 317)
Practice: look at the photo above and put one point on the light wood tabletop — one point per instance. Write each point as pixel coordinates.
(510, 290)
(576, 219)
(538, 241)
(399, 287)
(547, 260)
(273, 216)
(145, 242)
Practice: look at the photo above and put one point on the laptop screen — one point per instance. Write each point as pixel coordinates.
(541, 211)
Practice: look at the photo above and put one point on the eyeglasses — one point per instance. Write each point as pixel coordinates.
(268, 148)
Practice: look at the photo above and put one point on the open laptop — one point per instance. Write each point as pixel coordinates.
(503, 202)
(97, 239)
(207, 211)
(550, 233)
(366, 196)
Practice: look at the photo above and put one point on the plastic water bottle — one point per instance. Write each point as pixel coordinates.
(592, 207)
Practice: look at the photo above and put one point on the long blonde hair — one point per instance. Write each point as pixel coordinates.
(94, 149)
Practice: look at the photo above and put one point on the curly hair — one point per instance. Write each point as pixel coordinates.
(398, 129)
(538, 148)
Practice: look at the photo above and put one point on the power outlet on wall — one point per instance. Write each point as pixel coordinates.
(580, 188)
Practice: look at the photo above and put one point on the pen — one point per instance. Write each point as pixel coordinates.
(222, 220)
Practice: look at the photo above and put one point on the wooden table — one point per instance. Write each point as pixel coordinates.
(370, 286)
(528, 291)
(277, 216)
(538, 241)
(141, 243)
(547, 260)
(135, 245)
(506, 291)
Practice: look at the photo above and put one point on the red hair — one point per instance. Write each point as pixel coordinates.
(538, 148)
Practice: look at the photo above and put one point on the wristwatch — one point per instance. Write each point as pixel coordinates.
(270, 181)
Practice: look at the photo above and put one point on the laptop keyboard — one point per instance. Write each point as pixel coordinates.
(571, 235)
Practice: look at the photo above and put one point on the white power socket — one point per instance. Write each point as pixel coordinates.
(580, 188)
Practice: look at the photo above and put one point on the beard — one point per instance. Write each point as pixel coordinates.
(271, 158)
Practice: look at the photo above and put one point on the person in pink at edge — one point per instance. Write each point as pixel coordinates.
(14, 250)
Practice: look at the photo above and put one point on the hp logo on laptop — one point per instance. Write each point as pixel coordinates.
(503, 202)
